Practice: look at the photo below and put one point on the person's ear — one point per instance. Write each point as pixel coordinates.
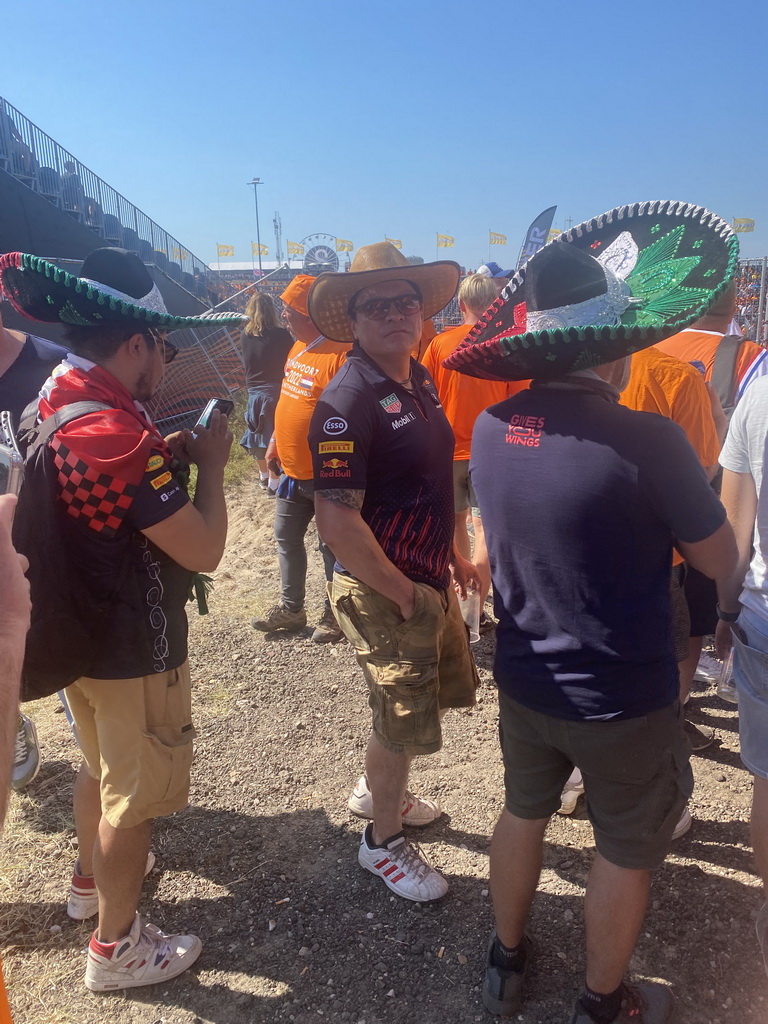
(137, 345)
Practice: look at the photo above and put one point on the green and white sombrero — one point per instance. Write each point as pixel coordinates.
(114, 287)
(606, 288)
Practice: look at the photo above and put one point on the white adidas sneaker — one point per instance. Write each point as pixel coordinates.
(416, 812)
(402, 867)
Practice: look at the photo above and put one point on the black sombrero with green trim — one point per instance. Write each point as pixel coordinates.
(606, 288)
(114, 287)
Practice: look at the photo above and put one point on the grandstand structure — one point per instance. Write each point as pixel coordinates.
(48, 169)
(83, 212)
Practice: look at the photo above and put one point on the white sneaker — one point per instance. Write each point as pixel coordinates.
(708, 669)
(416, 812)
(145, 956)
(683, 825)
(26, 754)
(572, 790)
(83, 895)
(403, 868)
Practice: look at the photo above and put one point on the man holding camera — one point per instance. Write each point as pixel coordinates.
(124, 509)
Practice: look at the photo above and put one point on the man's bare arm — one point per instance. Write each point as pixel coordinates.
(349, 537)
(715, 556)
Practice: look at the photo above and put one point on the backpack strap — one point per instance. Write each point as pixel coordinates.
(41, 432)
(724, 369)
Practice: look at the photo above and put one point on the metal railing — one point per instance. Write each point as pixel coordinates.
(40, 163)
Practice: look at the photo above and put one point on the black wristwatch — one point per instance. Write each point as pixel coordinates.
(727, 616)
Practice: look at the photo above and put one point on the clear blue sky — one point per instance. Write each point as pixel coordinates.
(367, 118)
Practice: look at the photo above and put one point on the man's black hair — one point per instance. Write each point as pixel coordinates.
(101, 343)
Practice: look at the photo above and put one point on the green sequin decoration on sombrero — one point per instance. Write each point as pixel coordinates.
(657, 279)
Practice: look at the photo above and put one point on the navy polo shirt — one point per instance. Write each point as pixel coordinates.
(581, 501)
(370, 434)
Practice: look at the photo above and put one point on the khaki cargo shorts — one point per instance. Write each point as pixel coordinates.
(136, 738)
(414, 668)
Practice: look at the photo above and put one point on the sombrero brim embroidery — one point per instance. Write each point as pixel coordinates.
(42, 291)
(665, 264)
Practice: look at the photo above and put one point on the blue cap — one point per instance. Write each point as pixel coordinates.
(492, 269)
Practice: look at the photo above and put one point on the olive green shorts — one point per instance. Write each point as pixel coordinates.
(414, 668)
(136, 738)
(637, 777)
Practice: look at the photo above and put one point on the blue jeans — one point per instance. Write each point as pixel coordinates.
(294, 510)
(750, 674)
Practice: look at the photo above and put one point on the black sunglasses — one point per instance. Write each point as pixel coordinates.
(169, 350)
(377, 309)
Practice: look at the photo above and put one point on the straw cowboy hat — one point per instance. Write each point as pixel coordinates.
(114, 287)
(376, 264)
(608, 287)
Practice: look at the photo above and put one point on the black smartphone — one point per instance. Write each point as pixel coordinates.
(11, 462)
(274, 467)
(225, 405)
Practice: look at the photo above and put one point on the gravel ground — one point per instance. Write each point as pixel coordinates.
(262, 865)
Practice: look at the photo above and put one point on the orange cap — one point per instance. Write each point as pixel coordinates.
(295, 295)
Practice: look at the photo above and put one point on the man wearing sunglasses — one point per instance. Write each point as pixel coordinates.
(382, 451)
(135, 539)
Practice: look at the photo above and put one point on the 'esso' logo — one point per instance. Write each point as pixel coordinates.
(334, 426)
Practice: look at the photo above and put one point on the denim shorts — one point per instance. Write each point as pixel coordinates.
(413, 667)
(750, 674)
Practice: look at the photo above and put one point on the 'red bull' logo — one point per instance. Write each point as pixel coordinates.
(335, 469)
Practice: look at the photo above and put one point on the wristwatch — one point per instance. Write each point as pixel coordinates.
(727, 616)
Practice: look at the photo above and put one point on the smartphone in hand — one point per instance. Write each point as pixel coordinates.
(224, 405)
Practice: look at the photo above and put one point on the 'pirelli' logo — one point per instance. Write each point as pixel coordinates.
(332, 447)
(161, 481)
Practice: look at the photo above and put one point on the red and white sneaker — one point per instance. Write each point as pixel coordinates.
(145, 956)
(402, 867)
(416, 812)
(83, 895)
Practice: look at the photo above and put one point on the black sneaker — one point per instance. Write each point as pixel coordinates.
(645, 1003)
(502, 989)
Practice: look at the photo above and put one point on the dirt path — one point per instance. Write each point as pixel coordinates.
(263, 864)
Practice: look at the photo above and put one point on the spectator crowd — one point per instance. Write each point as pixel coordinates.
(587, 447)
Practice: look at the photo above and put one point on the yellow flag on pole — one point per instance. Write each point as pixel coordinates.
(494, 238)
(259, 250)
(553, 233)
(179, 254)
(743, 224)
(225, 250)
(344, 245)
(444, 241)
(397, 242)
(294, 249)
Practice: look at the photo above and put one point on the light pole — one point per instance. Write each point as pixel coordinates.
(256, 182)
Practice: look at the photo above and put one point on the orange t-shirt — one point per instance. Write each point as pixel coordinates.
(5, 1010)
(308, 369)
(463, 397)
(691, 345)
(670, 387)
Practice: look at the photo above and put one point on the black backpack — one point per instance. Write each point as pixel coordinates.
(67, 615)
